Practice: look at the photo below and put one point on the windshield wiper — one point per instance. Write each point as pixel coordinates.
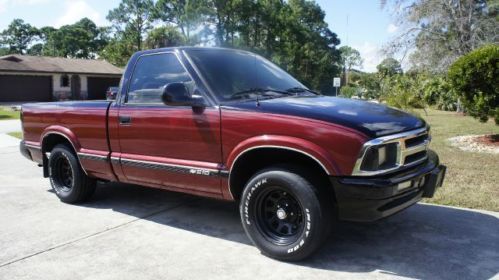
(260, 92)
(301, 89)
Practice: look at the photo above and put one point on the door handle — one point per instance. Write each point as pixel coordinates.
(125, 119)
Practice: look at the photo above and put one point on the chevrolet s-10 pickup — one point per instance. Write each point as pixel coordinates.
(229, 124)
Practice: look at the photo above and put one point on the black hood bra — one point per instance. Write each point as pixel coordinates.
(372, 119)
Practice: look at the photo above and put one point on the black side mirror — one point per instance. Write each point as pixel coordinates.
(177, 94)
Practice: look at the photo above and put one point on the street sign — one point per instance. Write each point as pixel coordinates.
(336, 82)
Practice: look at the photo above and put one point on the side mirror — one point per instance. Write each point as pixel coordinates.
(177, 94)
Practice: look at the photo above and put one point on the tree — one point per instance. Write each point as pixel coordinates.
(18, 36)
(350, 57)
(80, 40)
(132, 19)
(4, 51)
(389, 67)
(118, 50)
(165, 36)
(36, 49)
(293, 34)
(441, 31)
(187, 15)
(475, 77)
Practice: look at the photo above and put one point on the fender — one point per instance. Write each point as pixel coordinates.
(315, 152)
(66, 133)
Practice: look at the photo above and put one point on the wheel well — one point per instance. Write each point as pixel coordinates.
(51, 140)
(48, 143)
(253, 161)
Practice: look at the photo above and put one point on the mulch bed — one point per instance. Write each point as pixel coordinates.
(477, 143)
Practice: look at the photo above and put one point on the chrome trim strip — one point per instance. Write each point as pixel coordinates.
(402, 151)
(171, 167)
(92, 156)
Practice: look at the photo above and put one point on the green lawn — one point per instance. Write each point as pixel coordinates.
(472, 179)
(17, 134)
(8, 114)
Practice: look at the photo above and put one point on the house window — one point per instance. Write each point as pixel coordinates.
(64, 81)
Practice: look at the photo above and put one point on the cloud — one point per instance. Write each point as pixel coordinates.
(371, 54)
(392, 28)
(5, 4)
(76, 10)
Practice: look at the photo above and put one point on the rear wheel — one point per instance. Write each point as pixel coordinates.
(67, 178)
(284, 214)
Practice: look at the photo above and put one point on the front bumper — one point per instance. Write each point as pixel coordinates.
(368, 199)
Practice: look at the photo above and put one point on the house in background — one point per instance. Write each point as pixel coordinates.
(37, 78)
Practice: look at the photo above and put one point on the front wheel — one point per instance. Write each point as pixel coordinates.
(67, 178)
(284, 214)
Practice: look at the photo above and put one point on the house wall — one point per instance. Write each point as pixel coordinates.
(64, 93)
(59, 92)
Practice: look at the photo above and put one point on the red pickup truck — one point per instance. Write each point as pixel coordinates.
(231, 125)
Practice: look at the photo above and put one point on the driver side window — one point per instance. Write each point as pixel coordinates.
(151, 74)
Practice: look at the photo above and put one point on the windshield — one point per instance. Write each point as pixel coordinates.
(231, 72)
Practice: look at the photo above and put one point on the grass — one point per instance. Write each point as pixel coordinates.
(17, 134)
(472, 179)
(8, 114)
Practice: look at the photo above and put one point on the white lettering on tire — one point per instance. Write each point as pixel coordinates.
(248, 197)
(307, 232)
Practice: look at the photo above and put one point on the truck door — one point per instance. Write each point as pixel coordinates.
(174, 147)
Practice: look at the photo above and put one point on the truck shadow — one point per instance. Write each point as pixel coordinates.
(425, 241)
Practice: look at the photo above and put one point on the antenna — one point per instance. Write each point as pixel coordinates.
(347, 31)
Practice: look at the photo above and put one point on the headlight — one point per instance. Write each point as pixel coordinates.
(380, 157)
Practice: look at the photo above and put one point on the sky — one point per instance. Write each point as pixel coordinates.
(369, 27)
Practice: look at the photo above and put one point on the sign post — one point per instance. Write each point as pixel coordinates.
(336, 84)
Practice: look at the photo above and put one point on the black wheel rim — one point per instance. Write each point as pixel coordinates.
(279, 216)
(62, 174)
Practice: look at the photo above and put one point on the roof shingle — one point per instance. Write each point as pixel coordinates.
(25, 63)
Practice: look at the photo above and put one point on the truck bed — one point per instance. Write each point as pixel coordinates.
(84, 121)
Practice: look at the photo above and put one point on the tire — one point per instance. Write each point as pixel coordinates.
(67, 178)
(284, 214)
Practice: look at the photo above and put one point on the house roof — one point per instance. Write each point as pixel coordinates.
(26, 63)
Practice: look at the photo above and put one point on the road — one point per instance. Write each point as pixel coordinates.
(130, 232)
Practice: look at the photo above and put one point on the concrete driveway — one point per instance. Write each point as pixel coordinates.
(10, 126)
(129, 232)
(7, 126)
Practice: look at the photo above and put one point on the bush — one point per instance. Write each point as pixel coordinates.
(371, 86)
(437, 91)
(349, 91)
(475, 78)
(402, 91)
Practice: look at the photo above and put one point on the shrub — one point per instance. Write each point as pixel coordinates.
(475, 78)
(349, 91)
(437, 91)
(402, 91)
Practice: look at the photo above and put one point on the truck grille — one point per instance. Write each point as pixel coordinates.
(412, 149)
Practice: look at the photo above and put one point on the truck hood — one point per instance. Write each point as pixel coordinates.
(372, 119)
